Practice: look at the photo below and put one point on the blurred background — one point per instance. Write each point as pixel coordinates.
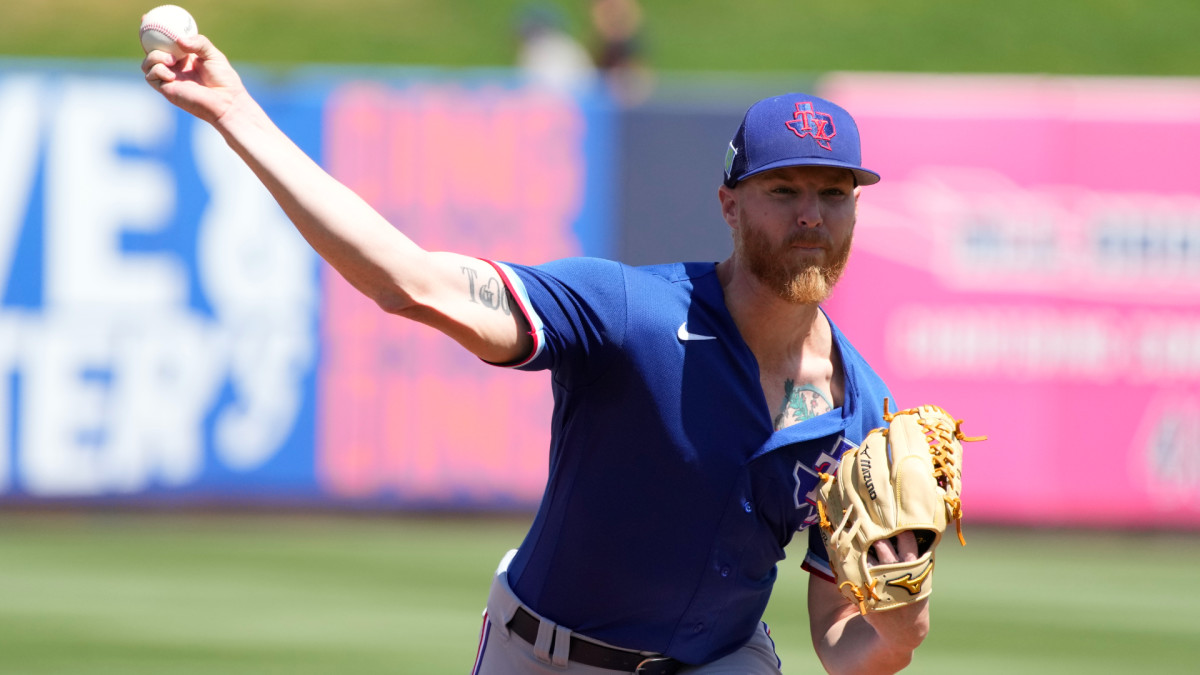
(215, 456)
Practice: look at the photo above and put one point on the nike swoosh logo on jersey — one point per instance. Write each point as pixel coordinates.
(684, 335)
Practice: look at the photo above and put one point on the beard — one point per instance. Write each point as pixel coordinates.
(801, 283)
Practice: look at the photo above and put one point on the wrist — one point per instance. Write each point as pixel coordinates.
(903, 629)
(243, 115)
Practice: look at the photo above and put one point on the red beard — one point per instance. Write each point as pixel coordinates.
(796, 282)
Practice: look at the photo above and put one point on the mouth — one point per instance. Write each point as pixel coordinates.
(810, 243)
(809, 248)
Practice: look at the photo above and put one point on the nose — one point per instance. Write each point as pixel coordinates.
(808, 211)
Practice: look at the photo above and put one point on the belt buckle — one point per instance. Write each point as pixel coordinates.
(657, 665)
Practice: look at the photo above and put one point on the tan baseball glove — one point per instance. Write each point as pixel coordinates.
(906, 477)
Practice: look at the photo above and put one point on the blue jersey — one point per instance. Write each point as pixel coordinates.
(671, 496)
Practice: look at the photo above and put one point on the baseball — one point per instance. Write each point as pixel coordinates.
(163, 25)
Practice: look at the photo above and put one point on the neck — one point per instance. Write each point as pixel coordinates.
(774, 328)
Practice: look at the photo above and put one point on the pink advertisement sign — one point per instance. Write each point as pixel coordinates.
(404, 412)
(1031, 262)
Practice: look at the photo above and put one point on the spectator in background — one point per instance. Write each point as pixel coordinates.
(619, 49)
(547, 54)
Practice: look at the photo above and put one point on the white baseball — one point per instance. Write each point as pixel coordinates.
(163, 25)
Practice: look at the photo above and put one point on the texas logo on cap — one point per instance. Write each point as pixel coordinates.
(818, 125)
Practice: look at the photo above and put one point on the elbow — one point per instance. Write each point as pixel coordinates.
(405, 306)
(398, 301)
(387, 294)
(395, 302)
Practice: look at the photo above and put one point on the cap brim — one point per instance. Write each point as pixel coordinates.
(863, 176)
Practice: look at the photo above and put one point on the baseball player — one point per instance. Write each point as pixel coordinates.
(699, 407)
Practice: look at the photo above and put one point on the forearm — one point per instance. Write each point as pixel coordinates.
(848, 642)
(437, 289)
(342, 227)
(853, 645)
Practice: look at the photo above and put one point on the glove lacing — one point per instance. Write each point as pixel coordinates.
(841, 538)
(862, 593)
(941, 439)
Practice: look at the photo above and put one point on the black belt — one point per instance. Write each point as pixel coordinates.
(587, 653)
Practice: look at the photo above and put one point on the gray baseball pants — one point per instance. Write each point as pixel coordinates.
(502, 652)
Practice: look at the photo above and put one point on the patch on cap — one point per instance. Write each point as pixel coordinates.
(730, 155)
(816, 125)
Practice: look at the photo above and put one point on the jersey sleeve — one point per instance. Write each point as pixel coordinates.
(576, 309)
(816, 561)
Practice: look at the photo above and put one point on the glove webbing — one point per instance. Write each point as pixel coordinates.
(940, 439)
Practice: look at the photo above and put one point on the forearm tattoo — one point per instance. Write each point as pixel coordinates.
(488, 291)
(800, 403)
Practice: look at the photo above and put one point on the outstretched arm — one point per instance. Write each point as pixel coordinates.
(375, 257)
(879, 642)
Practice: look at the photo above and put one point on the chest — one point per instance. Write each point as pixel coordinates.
(785, 482)
(801, 390)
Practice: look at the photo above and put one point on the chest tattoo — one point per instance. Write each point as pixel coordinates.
(800, 403)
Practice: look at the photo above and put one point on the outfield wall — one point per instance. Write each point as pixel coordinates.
(1031, 261)
(1035, 249)
(168, 337)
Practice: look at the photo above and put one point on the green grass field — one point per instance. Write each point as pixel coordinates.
(1107, 37)
(256, 594)
(177, 594)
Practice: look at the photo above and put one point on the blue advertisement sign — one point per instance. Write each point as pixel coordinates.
(160, 318)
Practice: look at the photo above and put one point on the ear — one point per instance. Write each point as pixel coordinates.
(729, 210)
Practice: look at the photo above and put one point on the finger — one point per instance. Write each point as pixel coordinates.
(160, 73)
(201, 46)
(885, 552)
(156, 57)
(906, 546)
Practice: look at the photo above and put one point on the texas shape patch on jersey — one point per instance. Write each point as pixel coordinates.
(809, 476)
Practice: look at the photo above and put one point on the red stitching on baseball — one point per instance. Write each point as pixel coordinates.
(160, 28)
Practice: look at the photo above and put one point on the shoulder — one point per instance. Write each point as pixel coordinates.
(582, 267)
(680, 272)
(690, 282)
(584, 273)
(580, 276)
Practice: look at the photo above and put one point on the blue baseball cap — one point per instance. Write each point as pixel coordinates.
(795, 130)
